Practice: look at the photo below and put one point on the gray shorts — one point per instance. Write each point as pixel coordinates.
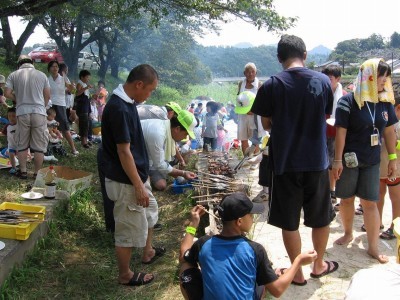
(246, 127)
(362, 181)
(32, 133)
(155, 176)
(132, 221)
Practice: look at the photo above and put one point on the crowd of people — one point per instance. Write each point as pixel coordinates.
(312, 142)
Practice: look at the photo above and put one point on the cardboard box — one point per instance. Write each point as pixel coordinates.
(23, 230)
(68, 179)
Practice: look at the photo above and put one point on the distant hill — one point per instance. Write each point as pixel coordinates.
(243, 45)
(320, 50)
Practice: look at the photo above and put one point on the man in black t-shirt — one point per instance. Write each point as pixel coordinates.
(125, 163)
(293, 105)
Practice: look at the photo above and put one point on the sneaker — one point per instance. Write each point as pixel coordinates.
(157, 227)
(75, 153)
(261, 197)
(50, 158)
(13, 171)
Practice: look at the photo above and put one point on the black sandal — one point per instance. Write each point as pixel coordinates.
(365, 230)
(388, 234)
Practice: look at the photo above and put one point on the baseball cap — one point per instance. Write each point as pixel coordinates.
(174, 106)
(24, 57)
(237, 205)
(244, 102)
(188, 121)
(2, 79)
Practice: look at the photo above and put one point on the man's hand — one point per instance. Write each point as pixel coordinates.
(189, 175)
(308, 257)
(197, 212)
(142, 197)
(337, 169)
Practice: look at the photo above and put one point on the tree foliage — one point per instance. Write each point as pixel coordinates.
(395, 40)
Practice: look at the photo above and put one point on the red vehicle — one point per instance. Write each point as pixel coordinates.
(46, 54)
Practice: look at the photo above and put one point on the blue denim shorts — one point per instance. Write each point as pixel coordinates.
(362, 181)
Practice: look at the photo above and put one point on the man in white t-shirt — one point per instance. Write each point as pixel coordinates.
(30, 90)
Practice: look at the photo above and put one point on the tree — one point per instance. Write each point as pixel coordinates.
(374, 41)
(14, 50)
(10, 8)
(97, 17)
(395, 40)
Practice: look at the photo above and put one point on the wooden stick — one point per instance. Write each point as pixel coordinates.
(202, 196)
(211, 214)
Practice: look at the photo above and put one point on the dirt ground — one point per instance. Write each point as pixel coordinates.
(351, 258)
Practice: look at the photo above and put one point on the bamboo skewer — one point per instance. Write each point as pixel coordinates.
(210, 195)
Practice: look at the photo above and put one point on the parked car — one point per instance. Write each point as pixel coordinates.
(46, 54)
(87, 61)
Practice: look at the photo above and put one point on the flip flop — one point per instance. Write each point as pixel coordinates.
(159, 251)
(365, 230)
(328, 270)
(282, 271)
(138, 279)
(387, 235)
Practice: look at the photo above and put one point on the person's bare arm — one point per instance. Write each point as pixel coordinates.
(9, 94)
(266, 123)
(129, 166)
(278, 287)
(46, 95)
(337, 165)
(390, 141)
(187, 241)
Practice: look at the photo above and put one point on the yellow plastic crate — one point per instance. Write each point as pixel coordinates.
(21, 231)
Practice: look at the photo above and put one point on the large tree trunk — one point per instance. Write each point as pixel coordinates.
(14, 50)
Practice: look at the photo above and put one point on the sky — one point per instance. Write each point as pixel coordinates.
(320, 22)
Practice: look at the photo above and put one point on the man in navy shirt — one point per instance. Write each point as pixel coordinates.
(293, 105)
(126, 165)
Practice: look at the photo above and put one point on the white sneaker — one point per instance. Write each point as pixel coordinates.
(261, 197)
(75, 153)
(50, 158)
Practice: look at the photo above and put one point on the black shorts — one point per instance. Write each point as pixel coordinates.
(294, 191)
(265, 172)
(61, 117)
(83, 125)
(192, 282)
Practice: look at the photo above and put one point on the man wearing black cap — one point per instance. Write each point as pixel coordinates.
(232, 266)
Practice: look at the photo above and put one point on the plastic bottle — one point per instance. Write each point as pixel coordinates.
(50, 183)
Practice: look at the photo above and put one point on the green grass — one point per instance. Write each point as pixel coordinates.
(76, 260)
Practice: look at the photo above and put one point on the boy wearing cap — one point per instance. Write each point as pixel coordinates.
(160, 137)
(232, 266)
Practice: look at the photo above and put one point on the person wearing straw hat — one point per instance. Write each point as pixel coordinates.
(232, 266)
(160, 137)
